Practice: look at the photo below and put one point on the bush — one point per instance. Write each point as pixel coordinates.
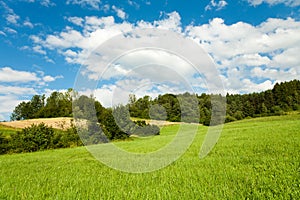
(4, 144)
(143, 129)
(277, 110)
(33, 138)
(68, 138)
(229, 119)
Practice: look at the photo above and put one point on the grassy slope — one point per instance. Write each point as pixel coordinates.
(257, 158)
(6, 130)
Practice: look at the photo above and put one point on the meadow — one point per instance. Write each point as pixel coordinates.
(253, 159)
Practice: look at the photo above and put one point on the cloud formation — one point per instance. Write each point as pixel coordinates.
(17, 86)
(94, 4)
(120, 13)
(219, 5)
(249, 58)
(291, 3)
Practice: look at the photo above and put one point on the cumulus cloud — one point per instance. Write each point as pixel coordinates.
(12, 18)
(7, 105)
(9, 14)
(17, 86)
(76, 20)
(8, 90)
(272, 44)
(241, 51)
(120, 13)
(94, 4)
(9, 75)
(216, 5)
(291, 3)
(38, 49)
(172, 22)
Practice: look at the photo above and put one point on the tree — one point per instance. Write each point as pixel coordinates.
(21, 111)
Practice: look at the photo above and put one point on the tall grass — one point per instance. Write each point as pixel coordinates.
(253, 159)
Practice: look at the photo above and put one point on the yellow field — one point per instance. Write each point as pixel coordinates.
(58, 123)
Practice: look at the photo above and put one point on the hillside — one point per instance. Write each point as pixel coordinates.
(253, 159)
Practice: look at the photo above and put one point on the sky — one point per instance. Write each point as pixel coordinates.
(47, 45)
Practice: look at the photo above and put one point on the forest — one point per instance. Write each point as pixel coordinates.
(196, 108)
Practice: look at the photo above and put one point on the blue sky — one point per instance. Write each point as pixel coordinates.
(254, 43)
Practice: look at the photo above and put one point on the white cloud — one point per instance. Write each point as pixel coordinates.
(239, 49)
(7, 105)
(51, 78)
(10, 30)
(288, 58)
(12, 18)
(47, 3)
(9, 14)
(227, 42)
(38, 49)
(133, 3)
(120, 13)
(105, 8)
(250, 86)
(171, 22)
(86, 3)
(76, 20)
(247, 60)
(272, 44)
(2, 33)
(9, 75)
(17, 86)
(28, 23)
(217, 5)
(277, 74)
(10, 97)
(291, 3)
(8, 90)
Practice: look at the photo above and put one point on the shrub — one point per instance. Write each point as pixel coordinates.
(229, 119)
(4, 144)
(143, 129)
(33, 138)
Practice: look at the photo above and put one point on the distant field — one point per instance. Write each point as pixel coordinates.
(253, 159)
(58, 123)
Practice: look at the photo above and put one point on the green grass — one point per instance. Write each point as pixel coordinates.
(6, 130)
(253, 159)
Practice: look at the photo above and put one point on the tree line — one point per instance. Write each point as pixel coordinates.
(284, 97)
(185, 107)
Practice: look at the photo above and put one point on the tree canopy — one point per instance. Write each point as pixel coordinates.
(196, 108)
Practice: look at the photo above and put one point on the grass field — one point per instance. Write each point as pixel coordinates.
(253, 159)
